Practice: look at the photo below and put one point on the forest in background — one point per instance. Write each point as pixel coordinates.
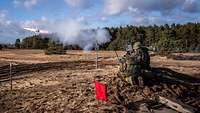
(174, 37)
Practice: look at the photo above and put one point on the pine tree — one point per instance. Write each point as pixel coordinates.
(54, 47)
(1, 47)
(18, 44)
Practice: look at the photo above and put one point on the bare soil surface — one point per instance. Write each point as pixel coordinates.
(64, 83)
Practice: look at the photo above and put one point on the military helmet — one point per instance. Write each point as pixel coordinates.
(136, 45)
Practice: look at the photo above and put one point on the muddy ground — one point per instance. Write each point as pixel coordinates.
(67, 85)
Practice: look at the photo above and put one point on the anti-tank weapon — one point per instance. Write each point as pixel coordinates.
(117, 56)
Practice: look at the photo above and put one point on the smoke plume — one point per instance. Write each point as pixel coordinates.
(73, 32)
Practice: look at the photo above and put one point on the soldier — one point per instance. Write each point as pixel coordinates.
(124, 63)
(131, 64)
(140, 61)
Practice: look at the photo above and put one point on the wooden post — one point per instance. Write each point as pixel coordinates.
(97, 57)
(11, 76)
(178, 106)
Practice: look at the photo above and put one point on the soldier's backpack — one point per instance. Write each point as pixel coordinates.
(145, 58)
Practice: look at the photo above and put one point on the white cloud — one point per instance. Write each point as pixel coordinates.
(191, 6)
(79, 3)
(81, 19)
(2, 15)
(146, 12)
(198, 19)
(9, 30)
(30, 3)
(41, 23)
(43, 18)
(103, 18)
(114, 7)
(3, 18)
(25, 3)
(16, 2)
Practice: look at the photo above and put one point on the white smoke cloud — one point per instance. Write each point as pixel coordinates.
(76, 32)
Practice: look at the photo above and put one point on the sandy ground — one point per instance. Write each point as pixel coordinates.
(67, 90)
(38, 56)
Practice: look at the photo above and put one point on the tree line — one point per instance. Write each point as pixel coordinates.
(41, 42)
(174, 37)
(49, 45)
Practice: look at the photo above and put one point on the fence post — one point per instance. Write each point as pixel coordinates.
(11, 76)
(97, 57)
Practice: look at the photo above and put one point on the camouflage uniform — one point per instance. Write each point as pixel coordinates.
(131, 65)
(138, 55)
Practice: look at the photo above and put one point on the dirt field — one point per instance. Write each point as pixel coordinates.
(66, 85)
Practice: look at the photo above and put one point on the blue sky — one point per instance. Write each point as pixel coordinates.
(16, 14)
